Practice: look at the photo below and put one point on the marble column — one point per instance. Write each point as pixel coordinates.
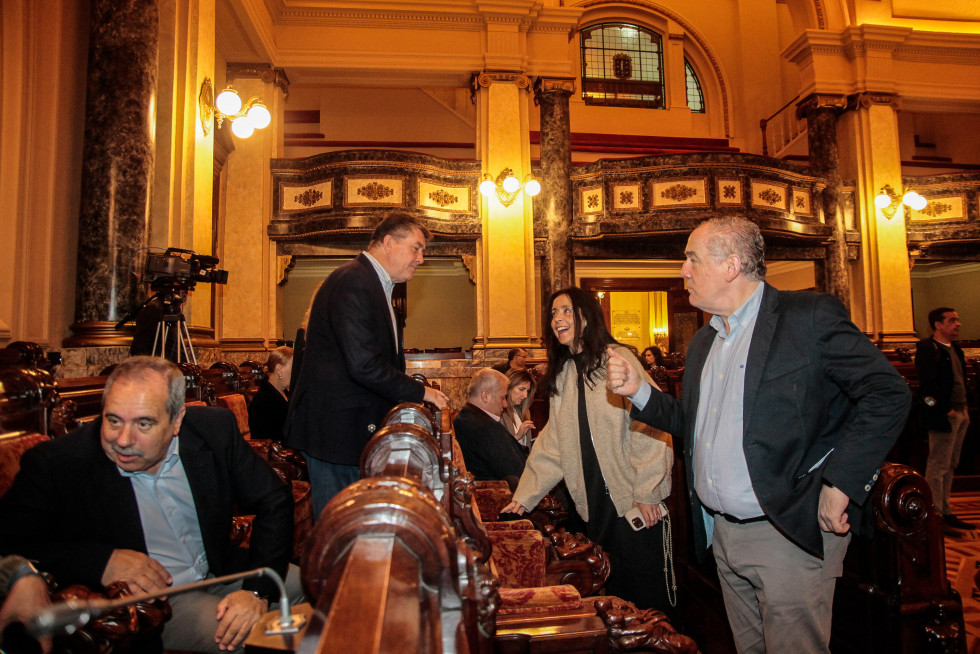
(821, 113)
(554, 203)
(117, 165)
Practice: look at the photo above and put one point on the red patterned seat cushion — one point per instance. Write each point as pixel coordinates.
(538, 601)
(519, 556)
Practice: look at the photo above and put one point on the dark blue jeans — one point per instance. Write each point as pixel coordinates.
(327, 479)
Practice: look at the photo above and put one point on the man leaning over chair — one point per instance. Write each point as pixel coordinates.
(146, 494)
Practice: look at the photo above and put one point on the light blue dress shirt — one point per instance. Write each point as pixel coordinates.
(169, 519)
(388, 285)
(721, 474)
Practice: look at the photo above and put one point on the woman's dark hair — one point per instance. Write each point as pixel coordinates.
(658, 356)
(594, 338)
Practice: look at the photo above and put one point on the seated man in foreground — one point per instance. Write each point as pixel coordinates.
(489, 451)
(145, 495)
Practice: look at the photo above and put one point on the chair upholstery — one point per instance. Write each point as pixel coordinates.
(12, 446)
(236, 403)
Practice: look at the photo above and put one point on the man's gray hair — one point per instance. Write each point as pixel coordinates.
(135, 369)
(485, 379)
(736, 235)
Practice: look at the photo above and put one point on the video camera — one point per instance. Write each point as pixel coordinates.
(181, 269)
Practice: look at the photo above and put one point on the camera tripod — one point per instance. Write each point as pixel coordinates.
(163, 312)
(173, 318)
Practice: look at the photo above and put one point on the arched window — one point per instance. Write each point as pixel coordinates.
(622, 65)
(695, 99)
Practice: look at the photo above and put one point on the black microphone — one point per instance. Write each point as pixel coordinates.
(73, 614)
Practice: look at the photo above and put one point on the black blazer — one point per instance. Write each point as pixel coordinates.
(815, 386)
(267, 412)
(489, 450)
(934, 366)
(69, 507)
(352, 374)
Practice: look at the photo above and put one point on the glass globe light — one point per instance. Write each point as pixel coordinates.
(512, 184)
(532, 187)
(259, 116)
(487, 187)
(914, 200)
(242, 127)
(882, 200)
(228, 102)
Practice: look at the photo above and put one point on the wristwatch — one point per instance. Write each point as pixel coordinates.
(26, 569)
(930, 401)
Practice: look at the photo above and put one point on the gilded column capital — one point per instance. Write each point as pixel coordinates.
(834, 101)
(264, 72)
(560, 85)
(488, 77)
(869, 98)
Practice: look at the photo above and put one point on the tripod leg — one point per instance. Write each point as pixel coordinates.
(186, 341)
(161, 338)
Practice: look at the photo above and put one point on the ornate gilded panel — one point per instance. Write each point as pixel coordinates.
(941, 208)
(679, 192)
(377, 191)
(304, 198)
(591, 200)
(769, 195)
(626, 197)
(728, 192)
(802, 202)
(448, 198)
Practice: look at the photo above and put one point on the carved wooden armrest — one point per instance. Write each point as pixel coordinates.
(122, 630)
(576, 560)
(631, 628)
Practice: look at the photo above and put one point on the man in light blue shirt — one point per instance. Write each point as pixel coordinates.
(146, 495)
(788, 411)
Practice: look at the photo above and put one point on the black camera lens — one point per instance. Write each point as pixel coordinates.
(637, 522)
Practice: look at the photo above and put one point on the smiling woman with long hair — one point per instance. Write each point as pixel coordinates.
(609, 463)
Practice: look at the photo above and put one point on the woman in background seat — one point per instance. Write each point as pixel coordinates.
(267, 411)
(517, 416)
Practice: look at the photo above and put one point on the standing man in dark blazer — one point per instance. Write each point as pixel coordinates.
(941, 367)
(353, 369)
(788, 411)
(489, 450)
(146, 495)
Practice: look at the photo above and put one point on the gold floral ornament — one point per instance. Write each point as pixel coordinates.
(936, 209)
(443, 198)
(800, 202)
(309, 197)
(770, 197)
(592, 201)
(375, 191)
(728, 191)
(678, 192)
(626, 197)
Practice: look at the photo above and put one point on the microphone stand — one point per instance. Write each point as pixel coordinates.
(73, 614)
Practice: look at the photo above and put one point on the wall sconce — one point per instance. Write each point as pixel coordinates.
(507, 186)
(245, 118)
(888, 200)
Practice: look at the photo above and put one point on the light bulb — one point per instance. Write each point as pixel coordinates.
(533, 187)
(259, 116)
(228, 102)
(487, 187)
(242, 127)
(914, 200)
(882, 200)
(512, 184)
